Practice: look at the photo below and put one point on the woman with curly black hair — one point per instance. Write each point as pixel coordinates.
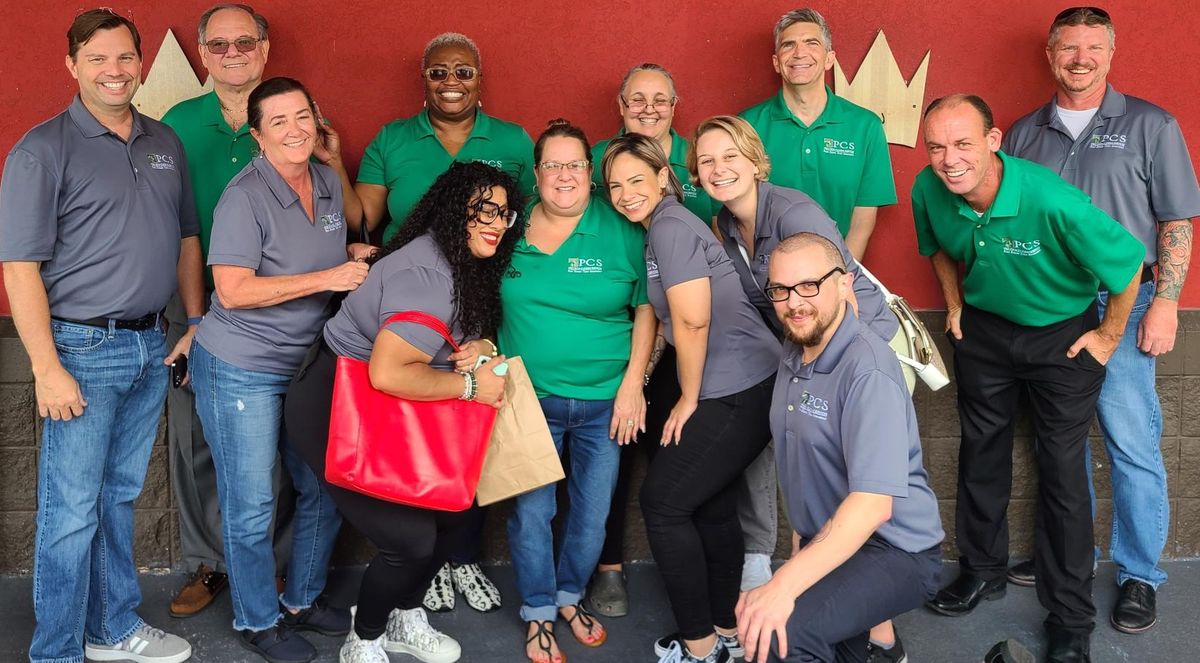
(446, 261)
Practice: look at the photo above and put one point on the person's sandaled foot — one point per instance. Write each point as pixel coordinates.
(583, 624)
(541, 645)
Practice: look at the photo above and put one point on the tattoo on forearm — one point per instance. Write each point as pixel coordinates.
(1174, 253)
(660, 344)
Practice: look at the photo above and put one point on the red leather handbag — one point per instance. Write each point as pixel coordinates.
(426, 454)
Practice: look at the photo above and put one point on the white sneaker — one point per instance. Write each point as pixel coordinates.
(409, 632)
(357, 650)
(146, 645)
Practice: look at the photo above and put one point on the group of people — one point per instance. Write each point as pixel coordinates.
(702, 298)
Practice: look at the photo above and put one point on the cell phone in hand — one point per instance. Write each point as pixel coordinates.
(179, 371)
(500, 369)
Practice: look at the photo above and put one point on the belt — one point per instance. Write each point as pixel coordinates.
(148, 321)
(1147, 274)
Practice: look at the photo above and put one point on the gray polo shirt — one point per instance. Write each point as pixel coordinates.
(415, 277)
(103, 215)
(742, 351)
(845, 423)
(783, 212)
(1132, 160)
(259, 223)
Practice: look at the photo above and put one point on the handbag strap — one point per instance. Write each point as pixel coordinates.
(887, 294)
(423, 318)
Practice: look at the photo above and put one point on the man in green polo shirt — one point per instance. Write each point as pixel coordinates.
(819, 143)
(1023, 319)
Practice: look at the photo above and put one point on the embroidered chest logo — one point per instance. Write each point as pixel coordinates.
(332, 222)
(1103, 141)
(161, 161)
(843, 148)
(494, 163)
(585, 265)
(651, 268)
(1017, 247)
(813, 406)
(689, 190)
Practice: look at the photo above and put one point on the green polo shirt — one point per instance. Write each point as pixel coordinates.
(567, 314)
(406, 157)
(841, 161)
(694, 197)
(1038, 255)
(215, 153)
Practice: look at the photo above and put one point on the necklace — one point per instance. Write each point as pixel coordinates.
(235, 118)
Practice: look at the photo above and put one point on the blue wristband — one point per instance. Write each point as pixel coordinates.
(194, 321)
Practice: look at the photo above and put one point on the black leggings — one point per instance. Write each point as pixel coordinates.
(690, 502)
(410, 540)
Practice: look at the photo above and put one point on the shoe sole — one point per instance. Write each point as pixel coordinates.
(1021, 581)
(993, 596)
(401, 648)
(1132, 631)
(322, 631)
(184, 615)
(107, 655)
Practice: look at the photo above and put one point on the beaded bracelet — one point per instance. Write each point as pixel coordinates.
(470, 386)
(495, 350)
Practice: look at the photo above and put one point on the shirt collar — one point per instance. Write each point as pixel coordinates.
(481, 129)
(833, 113)
(1008, 197)
(1112, 105)
(793, 356)
(725, 218)
(210, 112)
(282, 191)
(90, 127)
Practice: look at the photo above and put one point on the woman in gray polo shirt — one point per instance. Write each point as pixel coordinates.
(446, 261)
(726, 360)
(278, 253)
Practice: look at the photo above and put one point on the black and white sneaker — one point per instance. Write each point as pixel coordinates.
(677, 653)
(475, 587)
(893, 654)
(439, 597)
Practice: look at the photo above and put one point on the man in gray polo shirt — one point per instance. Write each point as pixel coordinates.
(96, 222)
(1130, 157)
(849, 460)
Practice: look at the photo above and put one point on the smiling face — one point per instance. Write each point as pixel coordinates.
(108, 69)
(634, 187)
(483, 238)
(1080, 58)
(234, 68)
(962, 153)
(564, 192)
(452, 99)
(288, 129)
(723, 170)
(802, 57)
(653, 90)
(808, 320)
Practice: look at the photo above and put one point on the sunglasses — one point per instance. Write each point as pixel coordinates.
(1082, 13)
(461, 73)
(221, 46)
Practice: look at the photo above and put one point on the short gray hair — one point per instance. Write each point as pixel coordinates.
(805, 15)
(260, 21)
(451, 39)
(649, 66)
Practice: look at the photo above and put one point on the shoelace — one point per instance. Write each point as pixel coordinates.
(674, 654)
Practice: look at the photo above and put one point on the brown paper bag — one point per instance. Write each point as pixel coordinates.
(521, 455)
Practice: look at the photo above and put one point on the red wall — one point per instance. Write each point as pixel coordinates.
(548, 59)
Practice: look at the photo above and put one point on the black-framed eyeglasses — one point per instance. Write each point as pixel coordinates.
(487, 213)
(577, 166)
(221, 46)
(1082, 13)
(638, 105)
(806, 289)
(462, 73)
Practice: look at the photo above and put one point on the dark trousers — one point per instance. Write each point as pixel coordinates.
(995, 360)
(661, 395)
(412, 542)
(831, 620)
(690, 503)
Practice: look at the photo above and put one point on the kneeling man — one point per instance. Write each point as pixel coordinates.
(866, 522)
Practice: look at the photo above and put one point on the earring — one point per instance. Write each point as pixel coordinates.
(424, 104)
(593, 186)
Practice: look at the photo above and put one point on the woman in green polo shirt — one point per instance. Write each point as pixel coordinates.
(575, 308)
(399, 166)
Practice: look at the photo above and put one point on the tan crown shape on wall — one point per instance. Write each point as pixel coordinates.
(880, 86)
(169, 81)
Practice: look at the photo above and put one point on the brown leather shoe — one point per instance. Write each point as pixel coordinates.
(198, 593)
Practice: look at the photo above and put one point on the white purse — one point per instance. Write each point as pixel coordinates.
(922, 355)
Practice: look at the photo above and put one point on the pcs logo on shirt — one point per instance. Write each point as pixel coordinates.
(651, 268)
(843, 148)
(161, 161)
(689, 190)
(1102, 141)
(814, 406)
(332, 222)
(585, 265)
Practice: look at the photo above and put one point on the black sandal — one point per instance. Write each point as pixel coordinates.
(545, 638)
(589, 622)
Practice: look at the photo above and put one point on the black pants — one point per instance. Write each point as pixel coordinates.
(411, 541)
(831, 620)
(995, 360)
(661, 395)
(690, 503)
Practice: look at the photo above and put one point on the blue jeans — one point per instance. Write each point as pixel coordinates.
(1131, 420)
(90, 470)
(594, 458)
(242, 414)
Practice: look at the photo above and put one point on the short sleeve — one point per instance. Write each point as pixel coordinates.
(189, 222)
(635, 251)
(679, 252)
(1101, 245)
(373, 167)
(237, 235)
(417, 289)
(877, 187)
(927, 242)
(1174, 193)
(28, 209)
(876, 446)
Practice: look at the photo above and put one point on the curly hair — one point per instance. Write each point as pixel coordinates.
(443, 213)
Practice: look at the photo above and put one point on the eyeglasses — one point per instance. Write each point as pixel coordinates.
(577, 166)
(461, 73)
(806, 289)
(638, 105)
(1082, 14)
(487, 213)
(221, 46)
